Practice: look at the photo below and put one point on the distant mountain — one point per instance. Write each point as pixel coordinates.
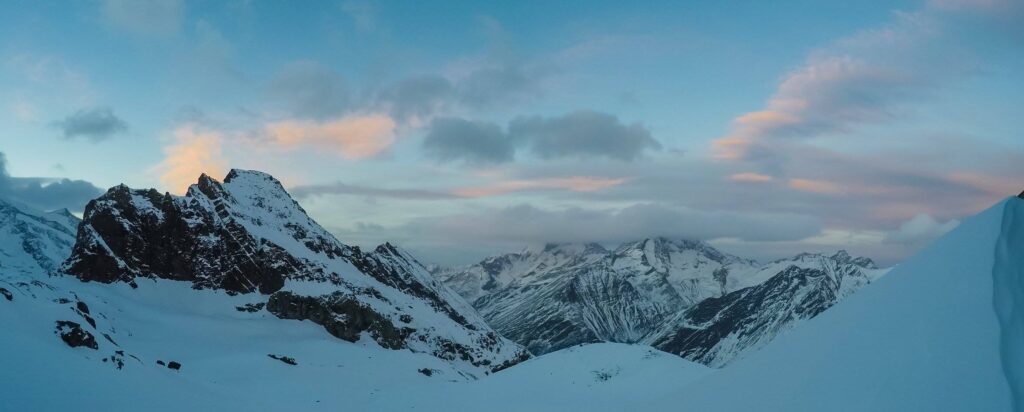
(246, 235)
(721, 329)
(653, 291)
(34, 243)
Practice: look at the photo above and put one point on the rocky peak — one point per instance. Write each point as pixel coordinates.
(247, 235)
(1021, 195)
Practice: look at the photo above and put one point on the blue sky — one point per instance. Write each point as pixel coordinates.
(466, 128)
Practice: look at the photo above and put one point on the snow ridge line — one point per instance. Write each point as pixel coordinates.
(1008, 299)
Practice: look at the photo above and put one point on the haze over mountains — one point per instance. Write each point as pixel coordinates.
(231, 297)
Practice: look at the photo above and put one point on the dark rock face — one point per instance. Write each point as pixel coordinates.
(7, 294)
(342, 316)
(717, 330)
(247, 235)
(173, 365)
(250, 307)
(73, 335)
(141, 233)
(286, 359)
(1021, 195)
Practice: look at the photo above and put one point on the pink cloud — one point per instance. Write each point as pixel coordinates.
(193, 152)
(353, 137)
(574, 184)
(750, 177)
(815, 186)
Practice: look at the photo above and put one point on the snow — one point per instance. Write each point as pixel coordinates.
(941, 332)
(925, 337)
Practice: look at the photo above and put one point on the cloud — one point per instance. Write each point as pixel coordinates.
(582, 134)
(815, 186)
(920, 229)
(46, 193)
(574, 184)
(152, 18)
(339, 188)
(476, 143)
(96, 124)
(749, 177)
(418, 97)
(868, 78)
(524, 224)
(311, 90)
(194, 151)
(353, 137)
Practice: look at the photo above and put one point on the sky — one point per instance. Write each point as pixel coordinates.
(461, 129)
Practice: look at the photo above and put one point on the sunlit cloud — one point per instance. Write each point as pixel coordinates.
(193, 153)
(352, 137)
(574, 184)
(750, 177)
(815, 186)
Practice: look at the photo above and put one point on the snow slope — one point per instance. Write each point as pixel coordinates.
(941, 332)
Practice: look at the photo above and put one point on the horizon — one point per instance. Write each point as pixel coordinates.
(470, 130)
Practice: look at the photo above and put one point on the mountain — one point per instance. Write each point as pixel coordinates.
(33, 243)
(682, 296)
(719, 330)
(248, 236)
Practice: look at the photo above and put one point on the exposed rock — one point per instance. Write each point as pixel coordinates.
(719, 330)
(342, 316)
(426, 371)
(247, 235)
(73, 335)
(173, 365)
(251, 307)
(568, 294)
(7, 294)
(286, 359)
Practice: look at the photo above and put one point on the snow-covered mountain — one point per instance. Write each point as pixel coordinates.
(719, 330)
(33, 243)
(658, 291)
(247, 236)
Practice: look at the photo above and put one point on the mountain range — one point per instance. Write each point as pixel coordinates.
(682, 296)
(232, 297)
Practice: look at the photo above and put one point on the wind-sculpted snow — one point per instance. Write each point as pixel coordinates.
(1008, 298)
(937, 333)
(248, 235)
(685, 297)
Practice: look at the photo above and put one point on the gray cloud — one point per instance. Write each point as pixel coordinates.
(509, 228)
(451, 139)
(309, 89)
(96, 124)
(339, 188)
(583, 134)
(46, 193)
(420, 96)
